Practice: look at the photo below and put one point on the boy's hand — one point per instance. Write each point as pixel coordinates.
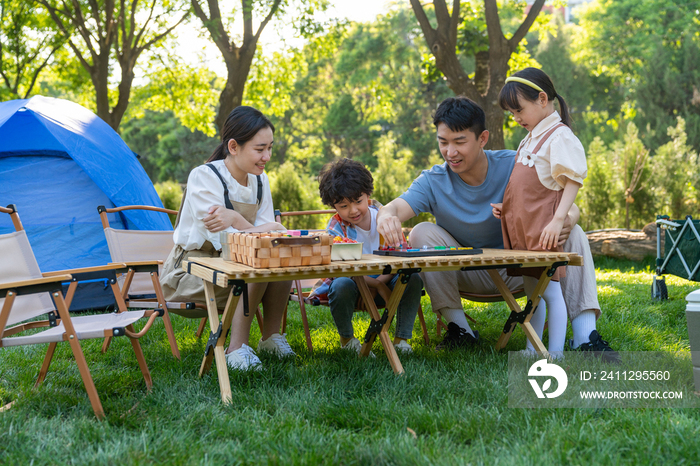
(550, 235)
(497, 209)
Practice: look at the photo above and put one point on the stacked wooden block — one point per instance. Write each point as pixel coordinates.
(267, 250)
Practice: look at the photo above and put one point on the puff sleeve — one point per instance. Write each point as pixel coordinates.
(567, 158)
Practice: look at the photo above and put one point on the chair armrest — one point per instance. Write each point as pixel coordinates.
(36, 281)
(138, 207)
(137, 263)
(99, 268)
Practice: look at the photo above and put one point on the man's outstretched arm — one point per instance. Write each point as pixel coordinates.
(390, 218)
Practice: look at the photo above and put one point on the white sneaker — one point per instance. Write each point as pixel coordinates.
(243, 359)
(276, 344)
(355, 345)
(403, 347)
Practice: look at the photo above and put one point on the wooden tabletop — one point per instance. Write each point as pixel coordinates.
(218, 271)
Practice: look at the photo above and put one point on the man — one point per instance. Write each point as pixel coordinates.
(459, 193)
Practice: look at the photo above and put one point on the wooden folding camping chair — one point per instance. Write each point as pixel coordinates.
(143, 252)
(26, 293)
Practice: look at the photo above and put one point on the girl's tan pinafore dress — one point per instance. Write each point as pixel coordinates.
(528, 207)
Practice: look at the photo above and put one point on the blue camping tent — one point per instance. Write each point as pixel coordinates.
(58, 162)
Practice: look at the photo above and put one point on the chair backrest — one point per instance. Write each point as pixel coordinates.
(18, 263)
(139, 245)
(279, 214)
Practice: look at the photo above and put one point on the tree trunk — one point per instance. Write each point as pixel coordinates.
(100, 81)
(491, 66)
(238, 66)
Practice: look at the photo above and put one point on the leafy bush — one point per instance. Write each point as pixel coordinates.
(170, 193)
(293, 191)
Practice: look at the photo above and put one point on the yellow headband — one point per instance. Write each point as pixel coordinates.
(524, 81)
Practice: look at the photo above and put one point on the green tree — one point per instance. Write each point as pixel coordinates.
(634, 180)
(293, 191)
(344, 90)
(491, 55)
(28, 45)
(596, 198)
(651, 51)
(593, 99)
(167, 149)
(238, 54)
(675, 174)
(189, 92)
(103, 34)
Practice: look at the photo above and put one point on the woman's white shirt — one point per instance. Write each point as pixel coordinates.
(561, 157)
(204, 190)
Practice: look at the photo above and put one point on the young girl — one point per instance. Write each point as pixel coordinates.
(549, 169)
(231, 193)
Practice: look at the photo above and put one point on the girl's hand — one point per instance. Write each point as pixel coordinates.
(220, 218)
(497, 209)
(550, 235)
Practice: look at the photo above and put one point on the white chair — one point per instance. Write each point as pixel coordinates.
(143, 252)
(26, 293)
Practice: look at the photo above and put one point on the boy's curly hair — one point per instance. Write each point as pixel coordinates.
(344, 179)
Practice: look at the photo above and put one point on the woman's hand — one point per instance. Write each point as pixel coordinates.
(220, 218)
(497, 210)
(271, 226)
(550, 235)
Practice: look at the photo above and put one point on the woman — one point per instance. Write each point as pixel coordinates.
(231, 193)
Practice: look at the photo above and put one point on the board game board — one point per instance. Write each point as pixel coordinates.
(436, 251)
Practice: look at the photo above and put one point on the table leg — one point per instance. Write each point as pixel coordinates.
(391, 307)
(219, 331)
(514, 318)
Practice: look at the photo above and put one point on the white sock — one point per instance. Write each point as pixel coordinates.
(457, 316)
(557, 318)
(537, 319)
(582, 326)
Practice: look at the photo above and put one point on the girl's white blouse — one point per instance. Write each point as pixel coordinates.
(204, 190)
(561, 157)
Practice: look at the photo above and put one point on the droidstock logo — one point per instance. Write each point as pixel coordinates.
(544, 369)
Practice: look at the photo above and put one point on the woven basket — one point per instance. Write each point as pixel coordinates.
(267, 250)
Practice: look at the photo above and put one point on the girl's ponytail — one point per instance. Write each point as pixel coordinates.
(565, 115)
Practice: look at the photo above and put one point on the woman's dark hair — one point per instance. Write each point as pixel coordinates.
(459, 114)
(508, 98)
(241, 125)
(344, 179)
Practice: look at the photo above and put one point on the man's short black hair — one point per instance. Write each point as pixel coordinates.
(344, 179)
(459, 114)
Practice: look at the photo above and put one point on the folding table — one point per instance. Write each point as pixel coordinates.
(218, 272)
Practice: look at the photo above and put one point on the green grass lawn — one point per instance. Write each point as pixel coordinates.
(331, 408)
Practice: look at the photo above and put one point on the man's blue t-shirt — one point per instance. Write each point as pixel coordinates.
(464, 211)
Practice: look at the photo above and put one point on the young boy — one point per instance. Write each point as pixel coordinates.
(346, 186)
